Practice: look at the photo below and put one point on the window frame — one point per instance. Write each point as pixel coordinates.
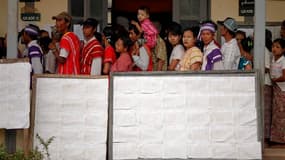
(87, 13)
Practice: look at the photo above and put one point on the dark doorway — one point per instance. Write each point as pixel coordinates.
(160, 10)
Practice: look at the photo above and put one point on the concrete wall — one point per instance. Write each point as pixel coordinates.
(3, 17)
(221, 9)
(275, 10)
(47, 9)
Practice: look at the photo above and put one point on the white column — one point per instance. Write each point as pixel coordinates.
(12, 29)
(259, 51)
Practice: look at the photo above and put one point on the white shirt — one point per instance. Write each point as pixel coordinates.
(177, 54)
(50, 62)
(141, 61)
(267, 60)
(231, 54)
(276, 67)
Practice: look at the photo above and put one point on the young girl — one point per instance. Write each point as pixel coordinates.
(240, 35)
(246, 46)
(193, 57)
(174, 38)
(124, 62)
(109, 54)
(277, 68)
(146, 27)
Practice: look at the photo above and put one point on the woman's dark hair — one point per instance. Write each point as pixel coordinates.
(247, 44)
(194, 30)
(127, 43)
(174, 29)
(44, 43)
(134, 28)
(98, 36)
(109, 34)
(280, 41)
(119, 30)
(232, 33)
(42, 31)
(144, 8)
(241, 32)
(268, 40)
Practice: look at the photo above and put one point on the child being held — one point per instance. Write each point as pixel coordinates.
(146, 27)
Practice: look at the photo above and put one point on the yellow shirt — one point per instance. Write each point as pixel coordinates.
(192, 55)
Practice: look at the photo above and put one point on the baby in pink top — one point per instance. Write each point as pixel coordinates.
(146, 27)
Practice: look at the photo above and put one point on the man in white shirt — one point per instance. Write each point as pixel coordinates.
(230, 49)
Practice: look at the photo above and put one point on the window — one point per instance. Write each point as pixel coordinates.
(83, 9)
(190, 12)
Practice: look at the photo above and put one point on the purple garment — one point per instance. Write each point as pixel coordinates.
(34, 50)
(213, 57)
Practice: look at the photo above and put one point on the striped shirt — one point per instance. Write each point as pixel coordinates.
(35, 55)
(92, 49)
(150, 33)
(192, 55)
(71, 44)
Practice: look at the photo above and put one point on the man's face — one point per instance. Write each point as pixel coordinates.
(207, 36)
(223, 30)
(133, 36)
(88, 31)
(61, 25)
(142, 15)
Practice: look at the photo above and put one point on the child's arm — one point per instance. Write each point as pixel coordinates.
(280, 79)
(160, 64)
(137, 25)
(196, 66)
(173, 64)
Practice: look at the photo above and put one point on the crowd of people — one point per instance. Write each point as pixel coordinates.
(141, 48)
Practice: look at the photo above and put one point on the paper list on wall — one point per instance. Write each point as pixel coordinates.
(15, 95)
(79, 123)
(172, 121)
